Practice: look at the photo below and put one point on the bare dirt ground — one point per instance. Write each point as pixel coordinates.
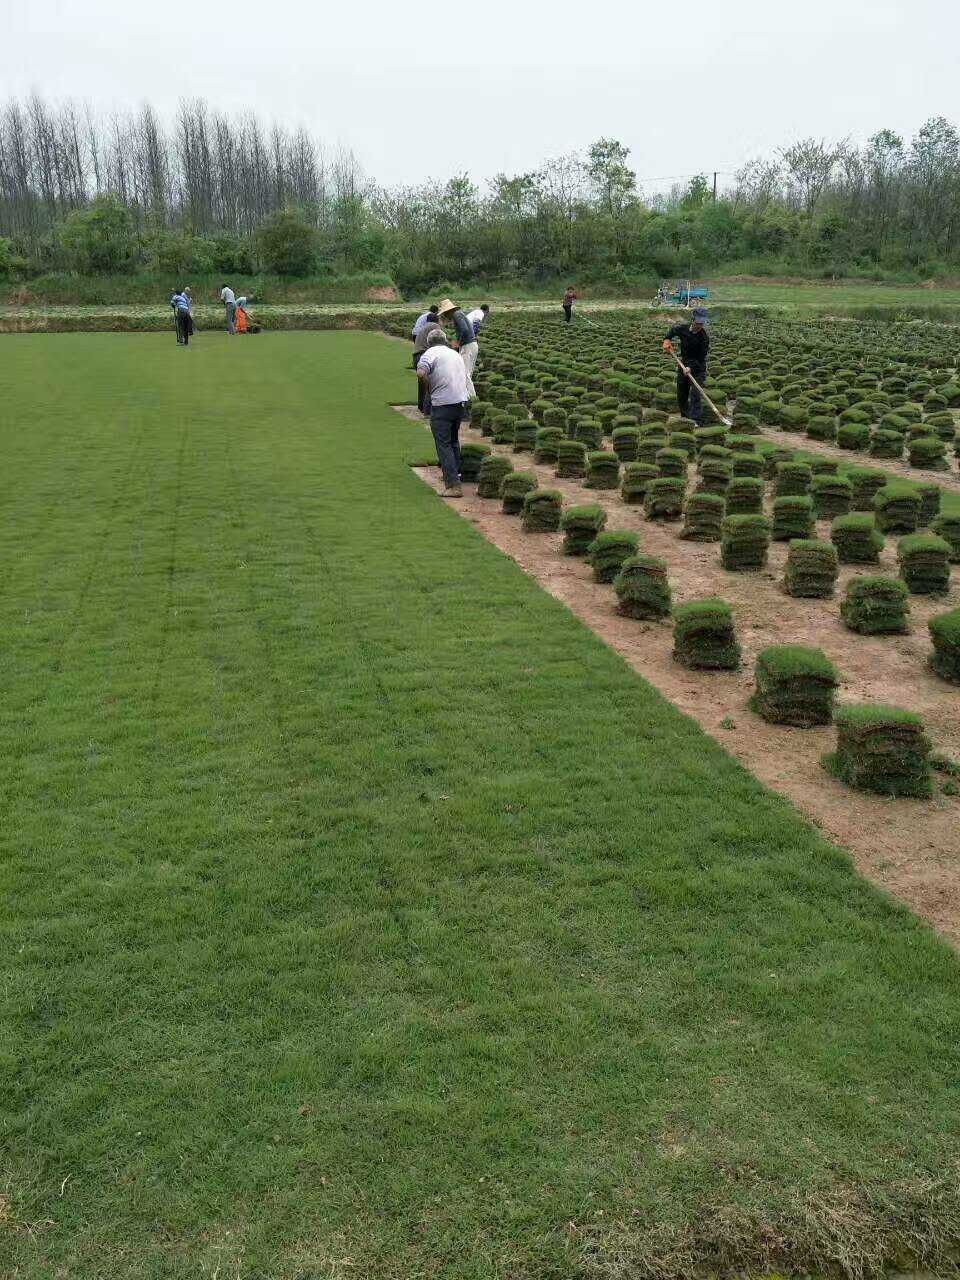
(910, 848)
(795, 440)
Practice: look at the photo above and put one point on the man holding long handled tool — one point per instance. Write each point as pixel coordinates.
(692, 371)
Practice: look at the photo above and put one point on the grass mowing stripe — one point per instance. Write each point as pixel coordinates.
(405, 924)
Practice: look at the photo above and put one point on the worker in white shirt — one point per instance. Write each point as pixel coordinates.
(477, 317)
(228, 298)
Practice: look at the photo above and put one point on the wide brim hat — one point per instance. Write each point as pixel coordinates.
(445, 306)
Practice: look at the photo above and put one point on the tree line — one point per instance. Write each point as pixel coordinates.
(210, 192)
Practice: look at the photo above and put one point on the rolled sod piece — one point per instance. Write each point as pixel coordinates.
(626, 442)
(571, 459)
(746, 444)
(744, 496)
(945, 634)
(542, 509)
(588, 431)
(603, 470)
(865, 484)
(608, 551)
(897, 507)
(636, 477)
(492, 471)
(876, 606)
(747, 466)
(811, 570)
(929, 502)
(882, 749)
(886, 444)
(924, 561)
(471, 459)
(663, 499)
(672, 462)
(794, 685)
(792, 479)
(703, 516)
(744, 540)
(713, 475)
(824, 467)
(856, 538)
(503, 428)
(642, 588)
(546, 444)
(514, 487)
(929, 452)
(684, 441)
(704, 636)
(792, 518)
(832, 496)
(580, 527)
(822, 427)
(853, 435)
(525, 436)
(709, 436)
(555, 417)
(948, 528)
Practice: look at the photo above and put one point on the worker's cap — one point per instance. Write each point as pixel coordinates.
(445, 306)
(699, 313)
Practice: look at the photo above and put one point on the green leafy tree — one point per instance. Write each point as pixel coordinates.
(100, 237)
(697, 193)
(614, 183)
(287, 243)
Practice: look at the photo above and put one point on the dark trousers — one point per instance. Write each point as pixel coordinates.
(445, 425)
(688, 397)
(423, 395)
(567, 311)
(184, 327)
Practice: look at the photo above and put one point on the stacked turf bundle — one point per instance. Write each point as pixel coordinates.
(525, 435)
(811, 569)
(636, 477)
(897, 507)
(571, 459)
(580, 526)
(626, 442)
(929, 503)
(876, 606)
(948, 528)
(663, 499)
(794, 685)
(822, 427)
(471, 458)
(924, 561)
(853, 435)
(502, 427)
(945, 634)
(608, 551)
(773, 459)
(792, 518)
(603, 470)
(492, 471)
(747, 465)
(546, 444)
(514, 487)
(824, 467)
(886, 444)
(882, 749)
(714, 471)
(478, 416)
(703, 636)
(744, 496)
(589, 432)
(744, 540)
(856, 538)
(832, 496)
(929, 452)
(703, 517)
(865, 484)
(791, 479)
(672, 462)
(642, 588)
(541, 511)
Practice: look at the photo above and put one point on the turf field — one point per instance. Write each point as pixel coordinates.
(362, 915)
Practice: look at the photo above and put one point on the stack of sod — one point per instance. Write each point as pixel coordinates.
(865, 484)
(672, 462)
(663, 499)
(714, 473)
(514, 487)
(492, 471)
(626, 442)
(642, 588)
(886, 444)
(541, 511)
(744, 496)
(571, 459)
(929, 503)
(684, 441)
(525, 435)
(546, 444)
(882, 749)
(773, 459)
(929, 452)
(703, 518)
(703, 636)
(945, 634)
(636, 478)
(856, 538)
(608, 551)
(502, 427)
(794, 685)
(744, 540)
(924, 561)
(580, 526)
(821, 427)
(811, 569)
(478, 415)
(589, 432)
(897, 507)
(471, 459)
(832, 496)
(791, 479)
(603, 470)
(853, 435)
(948, 528)
(876, 606)
(747, 465)
(792, 518)
(824, 467)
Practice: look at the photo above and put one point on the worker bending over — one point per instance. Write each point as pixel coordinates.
(694, 345)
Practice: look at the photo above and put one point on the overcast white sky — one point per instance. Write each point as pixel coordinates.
(423, 90)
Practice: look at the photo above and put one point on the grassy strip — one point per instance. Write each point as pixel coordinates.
(363, 914)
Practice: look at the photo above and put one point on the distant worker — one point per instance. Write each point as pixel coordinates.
(568, 300)
(694, 345)
(465, 340)
(420, 342)
(443, 372)
(477, 317)
(230, 307)
(421, 320)
(182, 319)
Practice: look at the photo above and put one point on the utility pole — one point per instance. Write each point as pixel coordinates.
(714, 186)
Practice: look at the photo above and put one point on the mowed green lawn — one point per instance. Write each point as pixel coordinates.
(362, 915)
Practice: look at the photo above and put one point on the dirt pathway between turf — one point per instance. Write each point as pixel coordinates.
(902, 470)
(910, 848)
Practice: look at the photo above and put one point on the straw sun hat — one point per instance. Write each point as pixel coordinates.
(445, 306)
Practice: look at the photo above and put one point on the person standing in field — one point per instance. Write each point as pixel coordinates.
(228, 298)
(568, 300)
(477, 317)
(694, 345)
(422, 320)
(444, 374)
(465, 340)
(180, 302)
(432, 325)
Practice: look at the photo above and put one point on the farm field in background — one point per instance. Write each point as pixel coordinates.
(364, 913)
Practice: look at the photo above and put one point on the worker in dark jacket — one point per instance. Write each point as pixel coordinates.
(694, 345)
(465, 340)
